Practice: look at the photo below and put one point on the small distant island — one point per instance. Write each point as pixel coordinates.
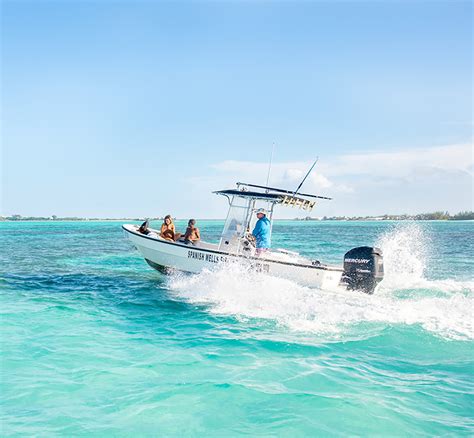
(19, 217)
(436, 216)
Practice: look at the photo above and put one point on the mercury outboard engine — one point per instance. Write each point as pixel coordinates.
(363, 269)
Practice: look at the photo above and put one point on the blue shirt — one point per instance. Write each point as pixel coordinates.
(262, 233)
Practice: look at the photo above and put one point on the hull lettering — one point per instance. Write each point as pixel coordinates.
(211, 258)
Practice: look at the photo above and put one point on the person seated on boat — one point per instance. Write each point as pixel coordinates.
(261, 232)
(168, 230)
(144, 227)
(192, 235)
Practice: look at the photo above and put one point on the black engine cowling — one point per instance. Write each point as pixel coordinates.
(363, 269)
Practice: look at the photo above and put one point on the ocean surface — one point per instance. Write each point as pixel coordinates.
(94, 342)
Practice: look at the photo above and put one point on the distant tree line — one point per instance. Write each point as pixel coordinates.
(435, 216)
(18, 217)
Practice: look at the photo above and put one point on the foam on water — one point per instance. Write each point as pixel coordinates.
(406, 249)
(405, 296)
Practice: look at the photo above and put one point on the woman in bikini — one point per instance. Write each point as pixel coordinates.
(168, 230)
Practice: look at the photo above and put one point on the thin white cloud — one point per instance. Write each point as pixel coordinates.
(423, 162)
(286, 175)
(405, 181)
(403, 163)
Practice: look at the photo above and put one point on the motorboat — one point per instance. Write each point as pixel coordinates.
(362, 267)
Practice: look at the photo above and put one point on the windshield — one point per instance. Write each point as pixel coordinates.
(241, 220)
(235, 224)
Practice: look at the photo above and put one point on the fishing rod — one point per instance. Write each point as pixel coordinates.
(270, 164)
(306, 176)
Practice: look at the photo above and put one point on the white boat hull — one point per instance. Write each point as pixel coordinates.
(162, 255)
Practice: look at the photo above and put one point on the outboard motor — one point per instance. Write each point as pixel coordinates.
(363, 269)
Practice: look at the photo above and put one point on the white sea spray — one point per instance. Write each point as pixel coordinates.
(405, 297)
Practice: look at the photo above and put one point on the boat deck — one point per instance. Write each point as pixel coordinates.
(278, 255)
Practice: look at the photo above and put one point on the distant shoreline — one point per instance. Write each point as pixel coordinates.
(436, 216)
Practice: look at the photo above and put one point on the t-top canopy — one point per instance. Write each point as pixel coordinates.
(271, 194)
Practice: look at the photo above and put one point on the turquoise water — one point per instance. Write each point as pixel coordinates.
(96, 343)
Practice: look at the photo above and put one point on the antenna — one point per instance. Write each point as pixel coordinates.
(270, 164)
(306, 176)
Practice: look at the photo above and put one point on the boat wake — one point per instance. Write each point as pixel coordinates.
(405, 297)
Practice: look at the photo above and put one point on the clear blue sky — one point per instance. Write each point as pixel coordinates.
(139, 108)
